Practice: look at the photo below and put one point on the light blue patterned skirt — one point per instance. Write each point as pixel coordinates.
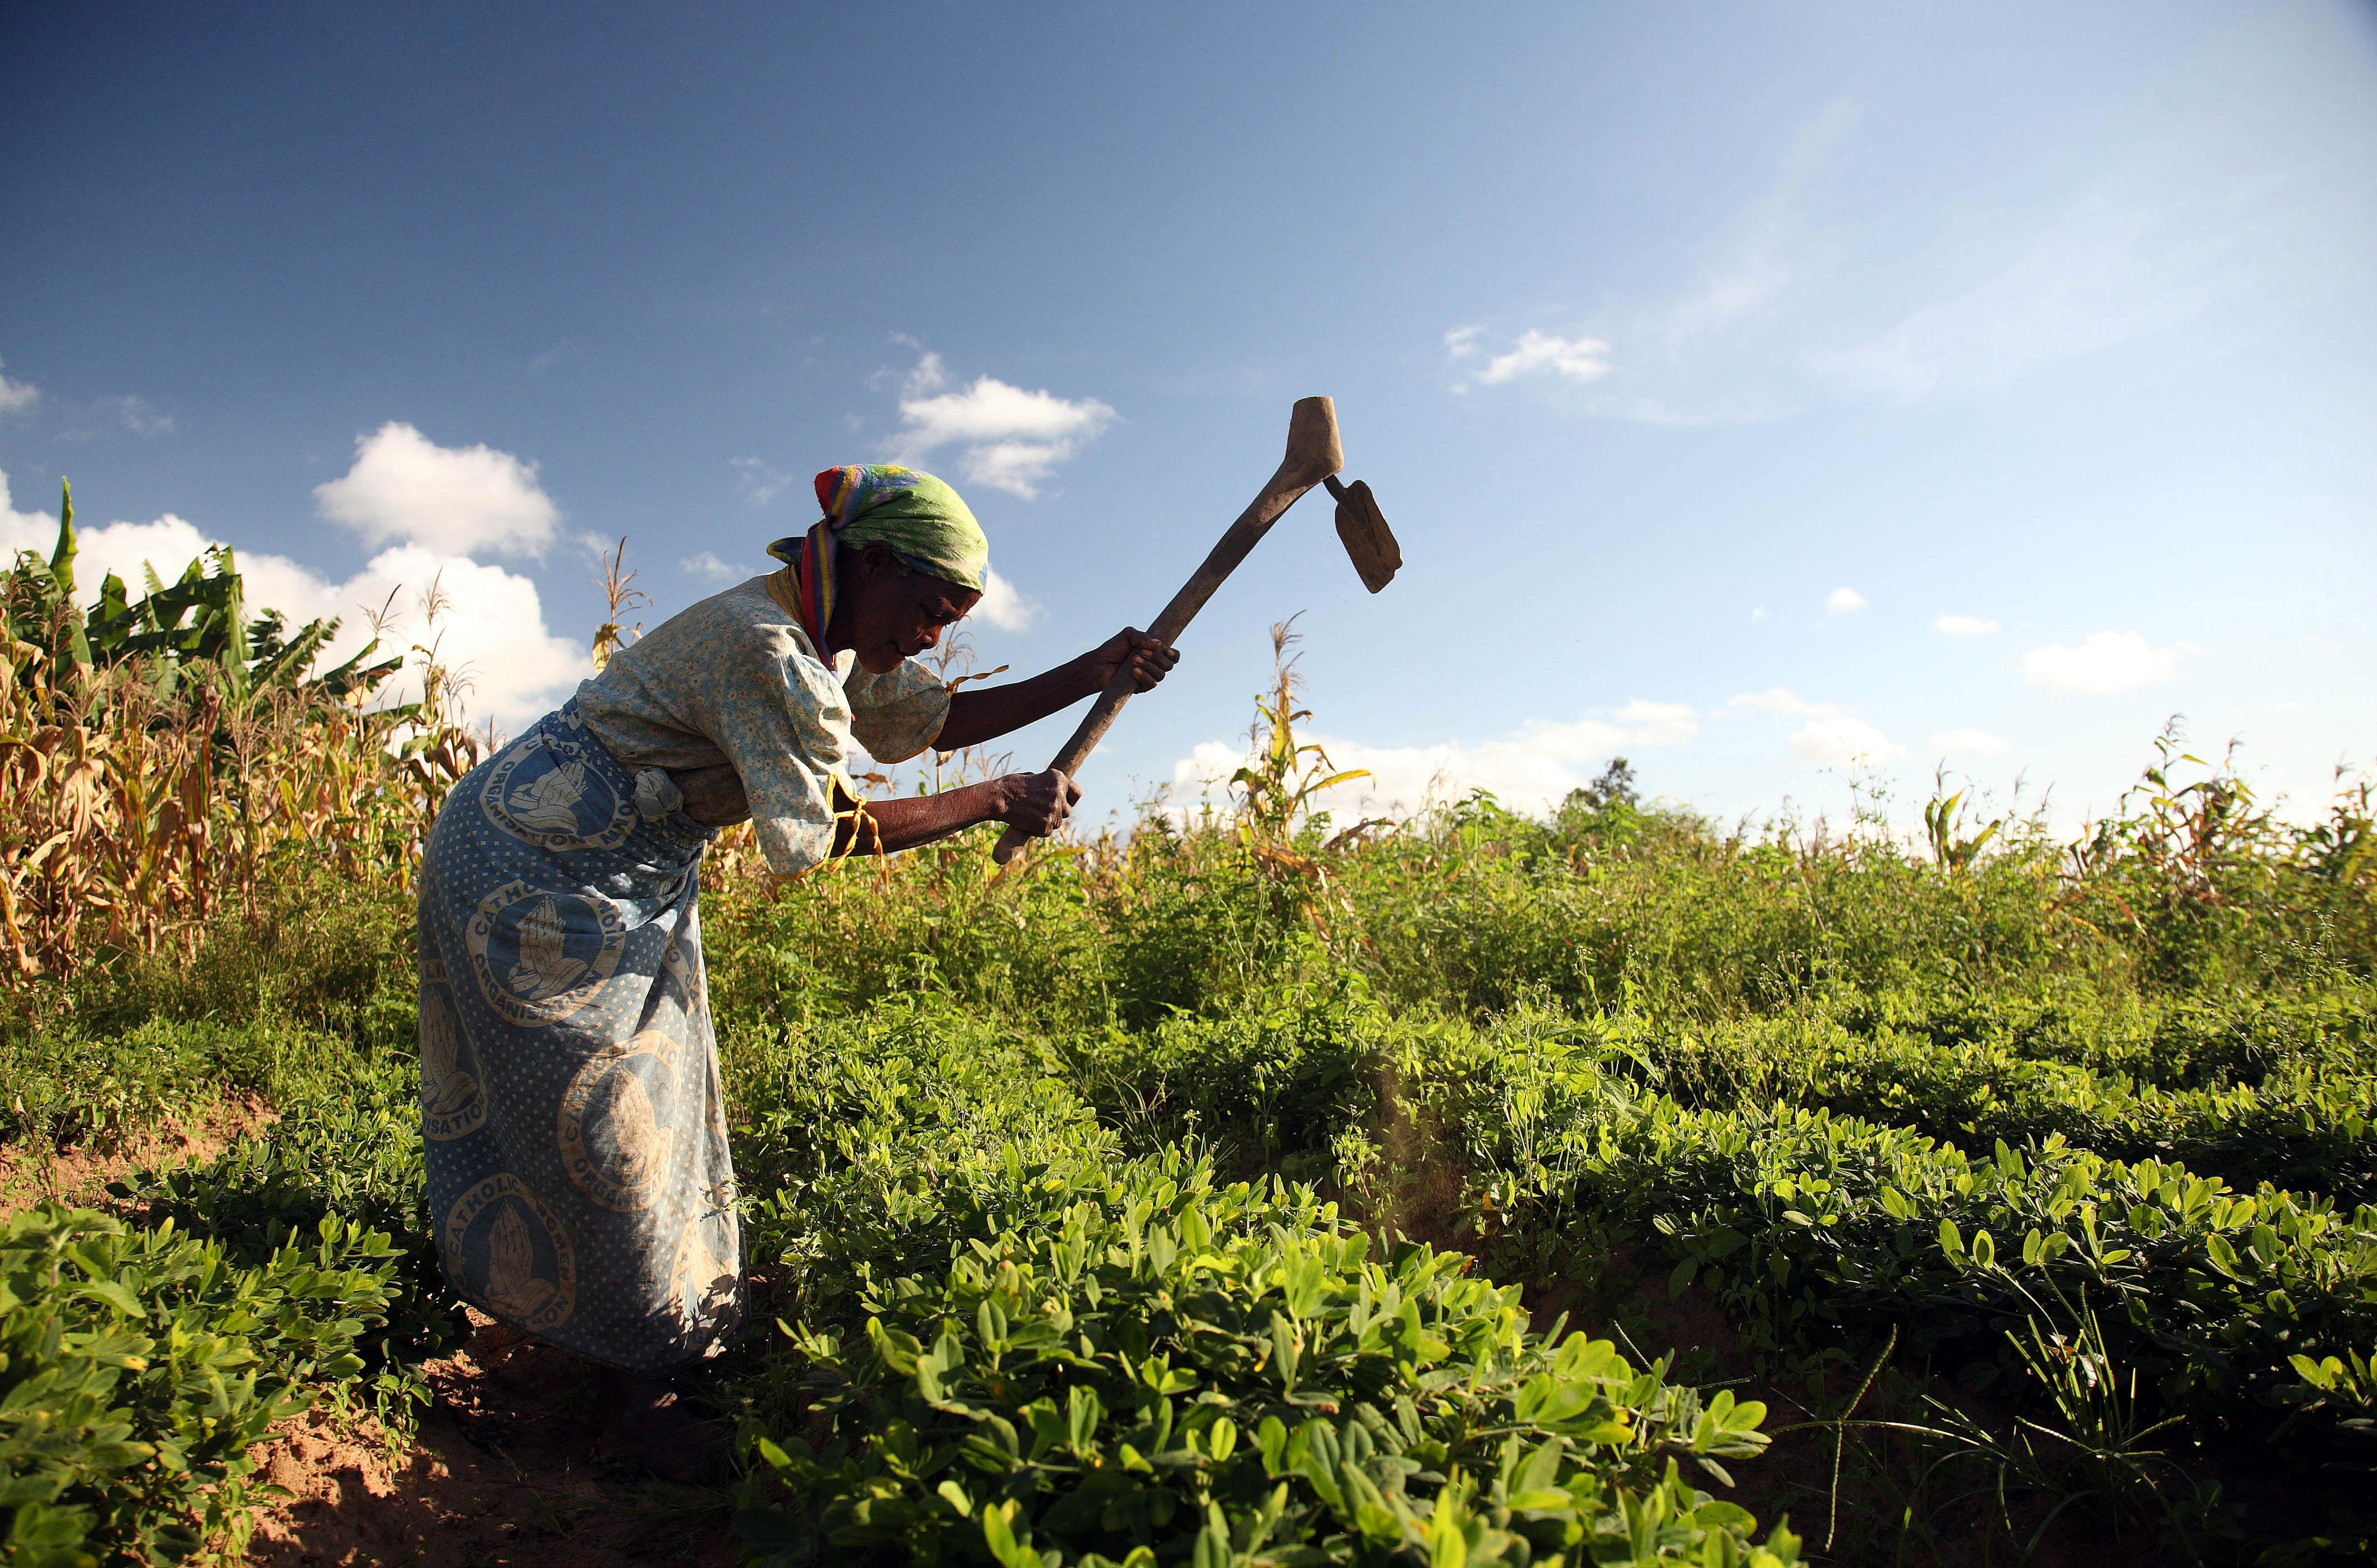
(579, 1174)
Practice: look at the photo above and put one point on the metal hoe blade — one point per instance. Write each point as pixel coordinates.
(1366, 535)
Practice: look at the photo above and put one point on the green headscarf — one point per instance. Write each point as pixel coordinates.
(924, 521)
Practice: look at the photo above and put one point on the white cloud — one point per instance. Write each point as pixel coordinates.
(1801, 297)
(1406, 779)
(1572, 359)
(1004, 605)
(1659, 723)
(17, 397)
(1532, 771)
(1832, 742)
(1964, 626)
(451, 500)
(1017, 467)
(1830, 737)
(1582, 741)
(761, 483)
(1980, 740)
(1764, 251)
(495, 633)
(2098, 275)
(1011, 439)
(2105, 662)
(138, 417)
(928, 373)
(707, 565)
(1776, 699)
(1726, 344)
(1841, 600)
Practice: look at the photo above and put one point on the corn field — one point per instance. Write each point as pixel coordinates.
(158, 757)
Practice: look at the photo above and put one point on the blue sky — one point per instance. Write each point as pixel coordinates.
(1653, 328)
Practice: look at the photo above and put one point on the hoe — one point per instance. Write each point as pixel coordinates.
(1313, 458)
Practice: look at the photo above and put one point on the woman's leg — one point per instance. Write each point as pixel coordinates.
(646, 1422)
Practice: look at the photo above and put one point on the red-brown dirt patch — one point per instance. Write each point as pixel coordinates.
(501, 1472)
(81, 1174)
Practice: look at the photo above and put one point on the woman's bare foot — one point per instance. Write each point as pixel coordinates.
(646, 1423)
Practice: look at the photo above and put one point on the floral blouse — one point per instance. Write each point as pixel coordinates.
(734, 681)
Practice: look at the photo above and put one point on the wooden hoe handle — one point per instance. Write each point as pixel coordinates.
(1313, 454)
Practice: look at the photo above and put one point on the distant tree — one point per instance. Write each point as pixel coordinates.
(1607, 812)
(1615, 787)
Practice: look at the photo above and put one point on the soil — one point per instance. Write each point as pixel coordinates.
(501, 1472)
(80, 1174)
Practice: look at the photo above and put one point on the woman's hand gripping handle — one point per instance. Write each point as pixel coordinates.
(1036, 804)
(1132, 660)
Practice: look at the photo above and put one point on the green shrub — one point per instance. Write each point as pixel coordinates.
(60, 1089)
(350, 1147)
(936, 919)
(1583, 1046)
(139, 1365)
(1197, 925)
(2300, 1118)
(1808, 1227)
(865, 1144)
(322, 950)
(1280, 1073)
(1147, 1367)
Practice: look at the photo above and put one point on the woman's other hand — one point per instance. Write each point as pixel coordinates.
(1037, 802)
(1150, 661)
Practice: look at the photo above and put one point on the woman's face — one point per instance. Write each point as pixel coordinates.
(887, 613)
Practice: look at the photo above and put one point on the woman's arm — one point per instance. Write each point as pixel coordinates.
(1036, 803)
(979, 716)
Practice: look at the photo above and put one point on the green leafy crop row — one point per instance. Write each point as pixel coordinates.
(136, 1366)
(1800, 1220)
(1147, 1365)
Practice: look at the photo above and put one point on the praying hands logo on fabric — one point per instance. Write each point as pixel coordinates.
(618, 1121)
(705, 1284)
(549, 801)
(539, 956)
(452, 1102)
(510, 1245)
(545, 968)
